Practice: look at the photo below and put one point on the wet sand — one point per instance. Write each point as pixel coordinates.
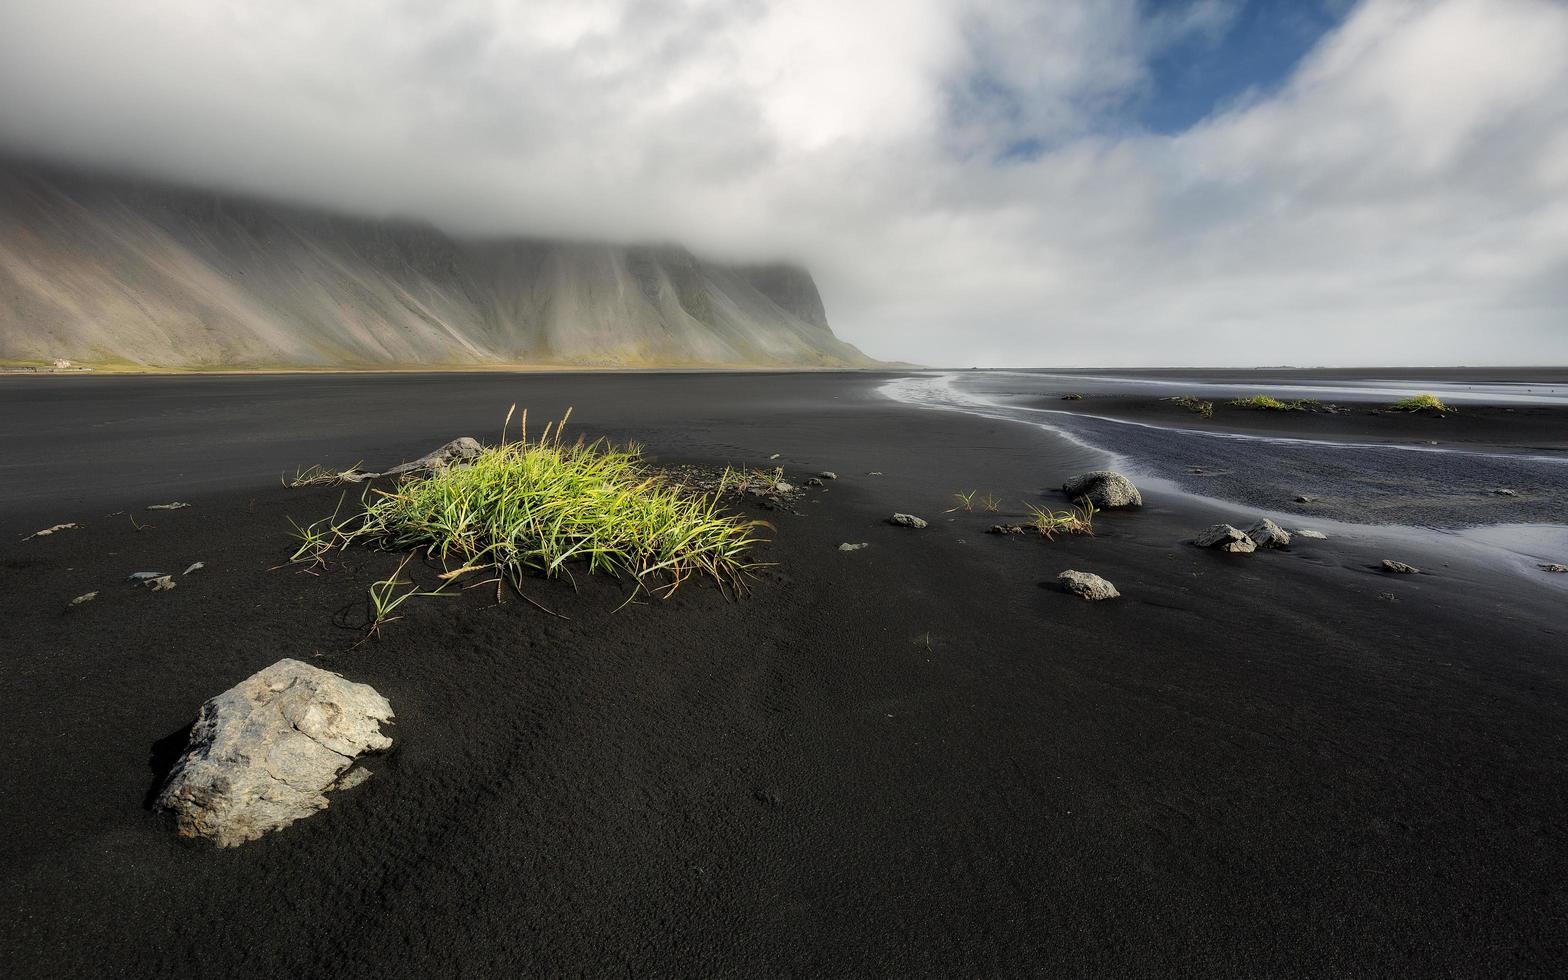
(919, 758)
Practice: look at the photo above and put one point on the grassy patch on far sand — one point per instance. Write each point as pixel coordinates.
(1195, 405)
(523, 507)
(1421, 403)
(1268, 403)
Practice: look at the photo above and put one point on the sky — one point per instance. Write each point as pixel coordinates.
(986, 182)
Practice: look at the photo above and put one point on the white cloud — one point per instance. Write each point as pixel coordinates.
(1399, 199)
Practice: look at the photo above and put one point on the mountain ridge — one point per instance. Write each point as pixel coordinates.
(144, 273)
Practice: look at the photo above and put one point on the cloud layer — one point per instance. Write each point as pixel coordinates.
(961, 175)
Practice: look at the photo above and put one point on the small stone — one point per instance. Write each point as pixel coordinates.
(828, 475)
(163, 583)
(87, 597)
(1105, 489)
(198, 566)
(906, 520)
(177, 505)
(1304, 499)
(1555, 567)
(1399, 567)
(846, 546)
(1226, 538)
(1006, 529)
(1088, 585)
(775, 456)
(1314, 535)
(1267, 534)
(50, 530)
(874, 473)
(813, 482)
(782, 487)
(147, 576)
(1505, 492)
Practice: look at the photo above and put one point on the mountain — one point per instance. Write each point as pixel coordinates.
(118, 271)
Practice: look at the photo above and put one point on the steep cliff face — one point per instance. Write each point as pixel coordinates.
(117, 271)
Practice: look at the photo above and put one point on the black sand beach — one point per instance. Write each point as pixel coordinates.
(920, 758)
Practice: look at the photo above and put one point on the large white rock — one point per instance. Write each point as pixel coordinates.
(263, 753)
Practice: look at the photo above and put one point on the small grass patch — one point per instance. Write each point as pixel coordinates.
(1268, 403)
(1049, 523)
(542, 507)
(321, 476)
(1421, 403)
(1196, 405)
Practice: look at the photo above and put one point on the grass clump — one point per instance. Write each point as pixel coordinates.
(1196, 405)
(1049, 523)
(541, 507)
(1421, 403)
(1268, 403)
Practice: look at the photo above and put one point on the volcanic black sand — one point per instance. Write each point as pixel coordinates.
(920, 758)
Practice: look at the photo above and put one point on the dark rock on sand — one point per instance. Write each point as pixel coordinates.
(1006, 529)
(813, 482)
(459, 450)
(1226, 538)
(1399, 567)
(1554, 567)
(263, 753)
(1088, 585)
(906, 520)
(1104, 489)
(1267, 534)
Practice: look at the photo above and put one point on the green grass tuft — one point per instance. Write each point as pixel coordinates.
(1050, 523)
(1268, 403)
(1197, 405)
(543, 507)
(1421, 403)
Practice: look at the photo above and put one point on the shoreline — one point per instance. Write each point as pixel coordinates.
(1271, 462)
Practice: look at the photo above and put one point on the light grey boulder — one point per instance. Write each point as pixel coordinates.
(1226, 538)
(1267, 534)
(459, 450)
(1088, 585)
(265, 752)
(828, 475)
(906, 520)
(1105, 489)
(1399, 567)
(1302, 532)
